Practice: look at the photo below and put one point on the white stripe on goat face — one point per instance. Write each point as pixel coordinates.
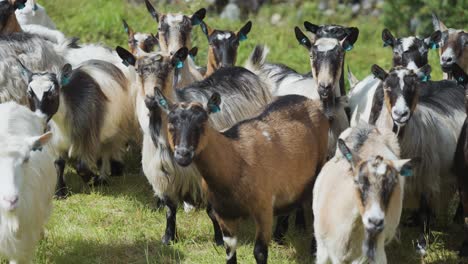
(374, 212)
(11, 162)
(41, 84)
(401, 110)
(222, 36)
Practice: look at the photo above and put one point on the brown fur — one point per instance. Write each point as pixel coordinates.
(11, 26)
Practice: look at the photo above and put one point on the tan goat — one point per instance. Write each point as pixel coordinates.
(358, 196)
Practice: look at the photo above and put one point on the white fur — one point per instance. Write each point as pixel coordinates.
(400, 107)
(326, 44)
(222, 36)
(35, 180)
(231, 243)
(52, 35)
(360, 99)
(448, 53)
(407, 42)
(28, 16)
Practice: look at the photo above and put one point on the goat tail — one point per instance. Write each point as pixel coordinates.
(257, 59)
(63, 46)
(353, 81)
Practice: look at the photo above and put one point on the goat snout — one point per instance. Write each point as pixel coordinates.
(10, 202)
(325, 90)
(401, 116)
(375, 224)
(447, 60)
(183, 155)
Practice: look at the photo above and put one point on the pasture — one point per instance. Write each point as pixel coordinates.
(120, 223)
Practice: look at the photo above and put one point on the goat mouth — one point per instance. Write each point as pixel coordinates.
(183, 161)
(447, 68)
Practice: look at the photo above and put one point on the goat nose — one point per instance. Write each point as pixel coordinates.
(447, 60)
(183, 152)
(402, 113)
(11, 199)
(376, 223)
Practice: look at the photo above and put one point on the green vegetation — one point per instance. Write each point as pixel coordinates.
(120, 224)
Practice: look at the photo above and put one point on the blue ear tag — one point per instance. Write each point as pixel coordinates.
(65, 81)
(163, 102)
(214, 108)
(406, 172)
(303, 41)
(179, 65)
(21, 6)
(349, 47)
(191, 56)
(461, 79)
(434, 45)
(386, 44)
(242, 37)
(35, 7)
(349, 157)
(425, 78)
(196, 22)
(125, 63)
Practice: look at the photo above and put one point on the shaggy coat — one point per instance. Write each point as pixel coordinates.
(35, 182)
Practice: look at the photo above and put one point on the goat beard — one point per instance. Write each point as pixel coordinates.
(370, 244)
(329, 107)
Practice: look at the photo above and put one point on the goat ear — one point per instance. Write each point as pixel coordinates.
(438, 25)
(348, 42)
(244, 31)
(179, 57)
(152, 11)
(379, 72)
(198, 17)
(193, 52)
(213, 104)
(20, 4)
(387, 38)
(433, 40)
(424, 73)
(207, 30)
(158, 100)
(25, 71)
(36, 143)
(405, 166)
(302, 38)
(347, 153)
(312, 28)
(127, 28)
(66, 74)
(126, 56)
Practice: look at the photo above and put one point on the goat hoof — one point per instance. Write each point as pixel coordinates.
(117, 168)
(96, 181)
(464, 249)
(167, 240)
(62, 193)
(279, 240)
(421, 246)
(313, 247)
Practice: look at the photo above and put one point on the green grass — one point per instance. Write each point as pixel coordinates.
(120, 224)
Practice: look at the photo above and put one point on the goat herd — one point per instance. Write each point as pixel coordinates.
(256, 141)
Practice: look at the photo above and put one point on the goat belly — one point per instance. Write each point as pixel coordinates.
(226, 206)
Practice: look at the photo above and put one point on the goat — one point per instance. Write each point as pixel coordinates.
(8, 21)
(223, 47)
(370, 179)
(34, 14)
(453, 46)
(139, 42)
(92, 109)
(460, 163)
(410, 52)
(174, 33)
(27, 182)
(228, 161)
(420, 112)
(171, 183)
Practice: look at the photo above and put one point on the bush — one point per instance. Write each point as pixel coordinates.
(409, 17)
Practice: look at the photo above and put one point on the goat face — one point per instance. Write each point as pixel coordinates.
(332, 31)
(44, 90)
(174, 31)
(410, 52)
(375, 182)
(139, 43)
(155, 69)
(224, 44)
(14, 157)
(401, 90)
(7, 9)
(453, 48)
(187, 124)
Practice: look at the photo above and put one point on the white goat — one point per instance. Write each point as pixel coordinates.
(27, 182)
(34, 14)
(358, 197)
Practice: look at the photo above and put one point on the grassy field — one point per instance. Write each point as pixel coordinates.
(120, 224)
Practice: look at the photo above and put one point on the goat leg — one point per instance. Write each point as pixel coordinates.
(171, 212)
(263, 225)
(282, 224)
(300, 222)
(218, 236)
(62, 190)
(424, 214)
(464, 198)
(84, 172)
(229, 229)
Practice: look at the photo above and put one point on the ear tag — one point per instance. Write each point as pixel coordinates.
(349, 47)
(35, 7)
(125, 63)
(65, 81)
(425, 78)
(196, 22)
(461, 79)
(163, 102)
(192, 57)
(434, 45)
(386, 44)
(242, 37)
(21, 6)
(179, 65)
(349, 157)
(303, 41)
(214, 108)
(406, 172)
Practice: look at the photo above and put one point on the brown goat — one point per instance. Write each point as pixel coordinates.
(223, 47)
(260, 167)
(8, 22)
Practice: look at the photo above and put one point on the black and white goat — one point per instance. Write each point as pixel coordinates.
(91, 110)
(245, 94)
(422, 113)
